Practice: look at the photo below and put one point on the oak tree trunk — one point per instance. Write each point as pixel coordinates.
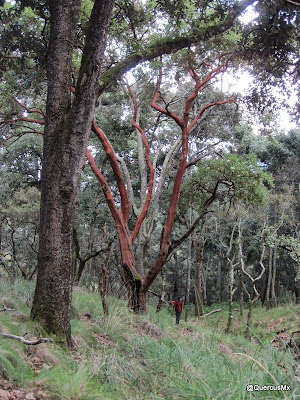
(67, 129)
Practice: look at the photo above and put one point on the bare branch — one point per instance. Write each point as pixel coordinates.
(7, 309)
(36, 111)
(212, 312)
(293, 2)
(125, 207)
(27, 342)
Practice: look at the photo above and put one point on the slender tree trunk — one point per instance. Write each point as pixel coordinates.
(80, 270)
(163, 292)
(297, 282)
(297, 292)
(249, 319)
(255, 295)
(102, 288)
(219, 280)
(198, 255)
(66, 135)
(198, 295)
(230, 295)
(241, 293)
(203, 280)
(269, 280)
(1, 227)
(273, 292)
(175, 289)
(188, 286)
(189, 265)
(231, 290)
(175, 284)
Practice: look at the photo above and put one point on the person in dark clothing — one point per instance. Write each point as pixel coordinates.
(178, 306)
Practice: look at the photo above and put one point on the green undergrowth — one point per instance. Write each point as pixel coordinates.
(129, 356)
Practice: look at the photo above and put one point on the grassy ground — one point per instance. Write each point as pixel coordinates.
(127, 356)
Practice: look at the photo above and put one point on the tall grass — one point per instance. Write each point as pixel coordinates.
(12, 364)
(194, 360)
(66, 384)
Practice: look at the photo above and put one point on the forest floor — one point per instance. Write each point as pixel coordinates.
(128, 356)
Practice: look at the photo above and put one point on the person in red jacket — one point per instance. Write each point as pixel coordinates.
(178, 306)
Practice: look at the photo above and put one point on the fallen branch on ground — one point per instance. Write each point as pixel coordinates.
(28, 342)
(294, 333)
(212, 312)
(7, 309)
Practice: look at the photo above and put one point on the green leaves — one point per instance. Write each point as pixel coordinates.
(231, 178)
(286, 242)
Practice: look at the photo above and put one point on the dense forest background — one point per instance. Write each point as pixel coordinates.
(190, 186)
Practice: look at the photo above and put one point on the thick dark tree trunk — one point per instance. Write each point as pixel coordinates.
(66, 135)
(52, 300)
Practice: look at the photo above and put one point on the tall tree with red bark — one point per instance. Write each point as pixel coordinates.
(67, 128)
(69, 117)
(138, 285)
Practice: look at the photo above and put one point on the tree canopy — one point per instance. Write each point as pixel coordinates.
(62, 73)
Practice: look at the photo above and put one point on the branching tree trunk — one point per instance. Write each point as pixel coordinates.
(252, 298)
(67, 128)
(136, 284)
(83, 259)
(270, 294)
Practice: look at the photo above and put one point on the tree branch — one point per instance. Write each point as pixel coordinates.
(125, 207)
(28, 342)
(212, 312)
(171, 45)
(128, 183)
(28, 109)
(7, 309)
(293, 2)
